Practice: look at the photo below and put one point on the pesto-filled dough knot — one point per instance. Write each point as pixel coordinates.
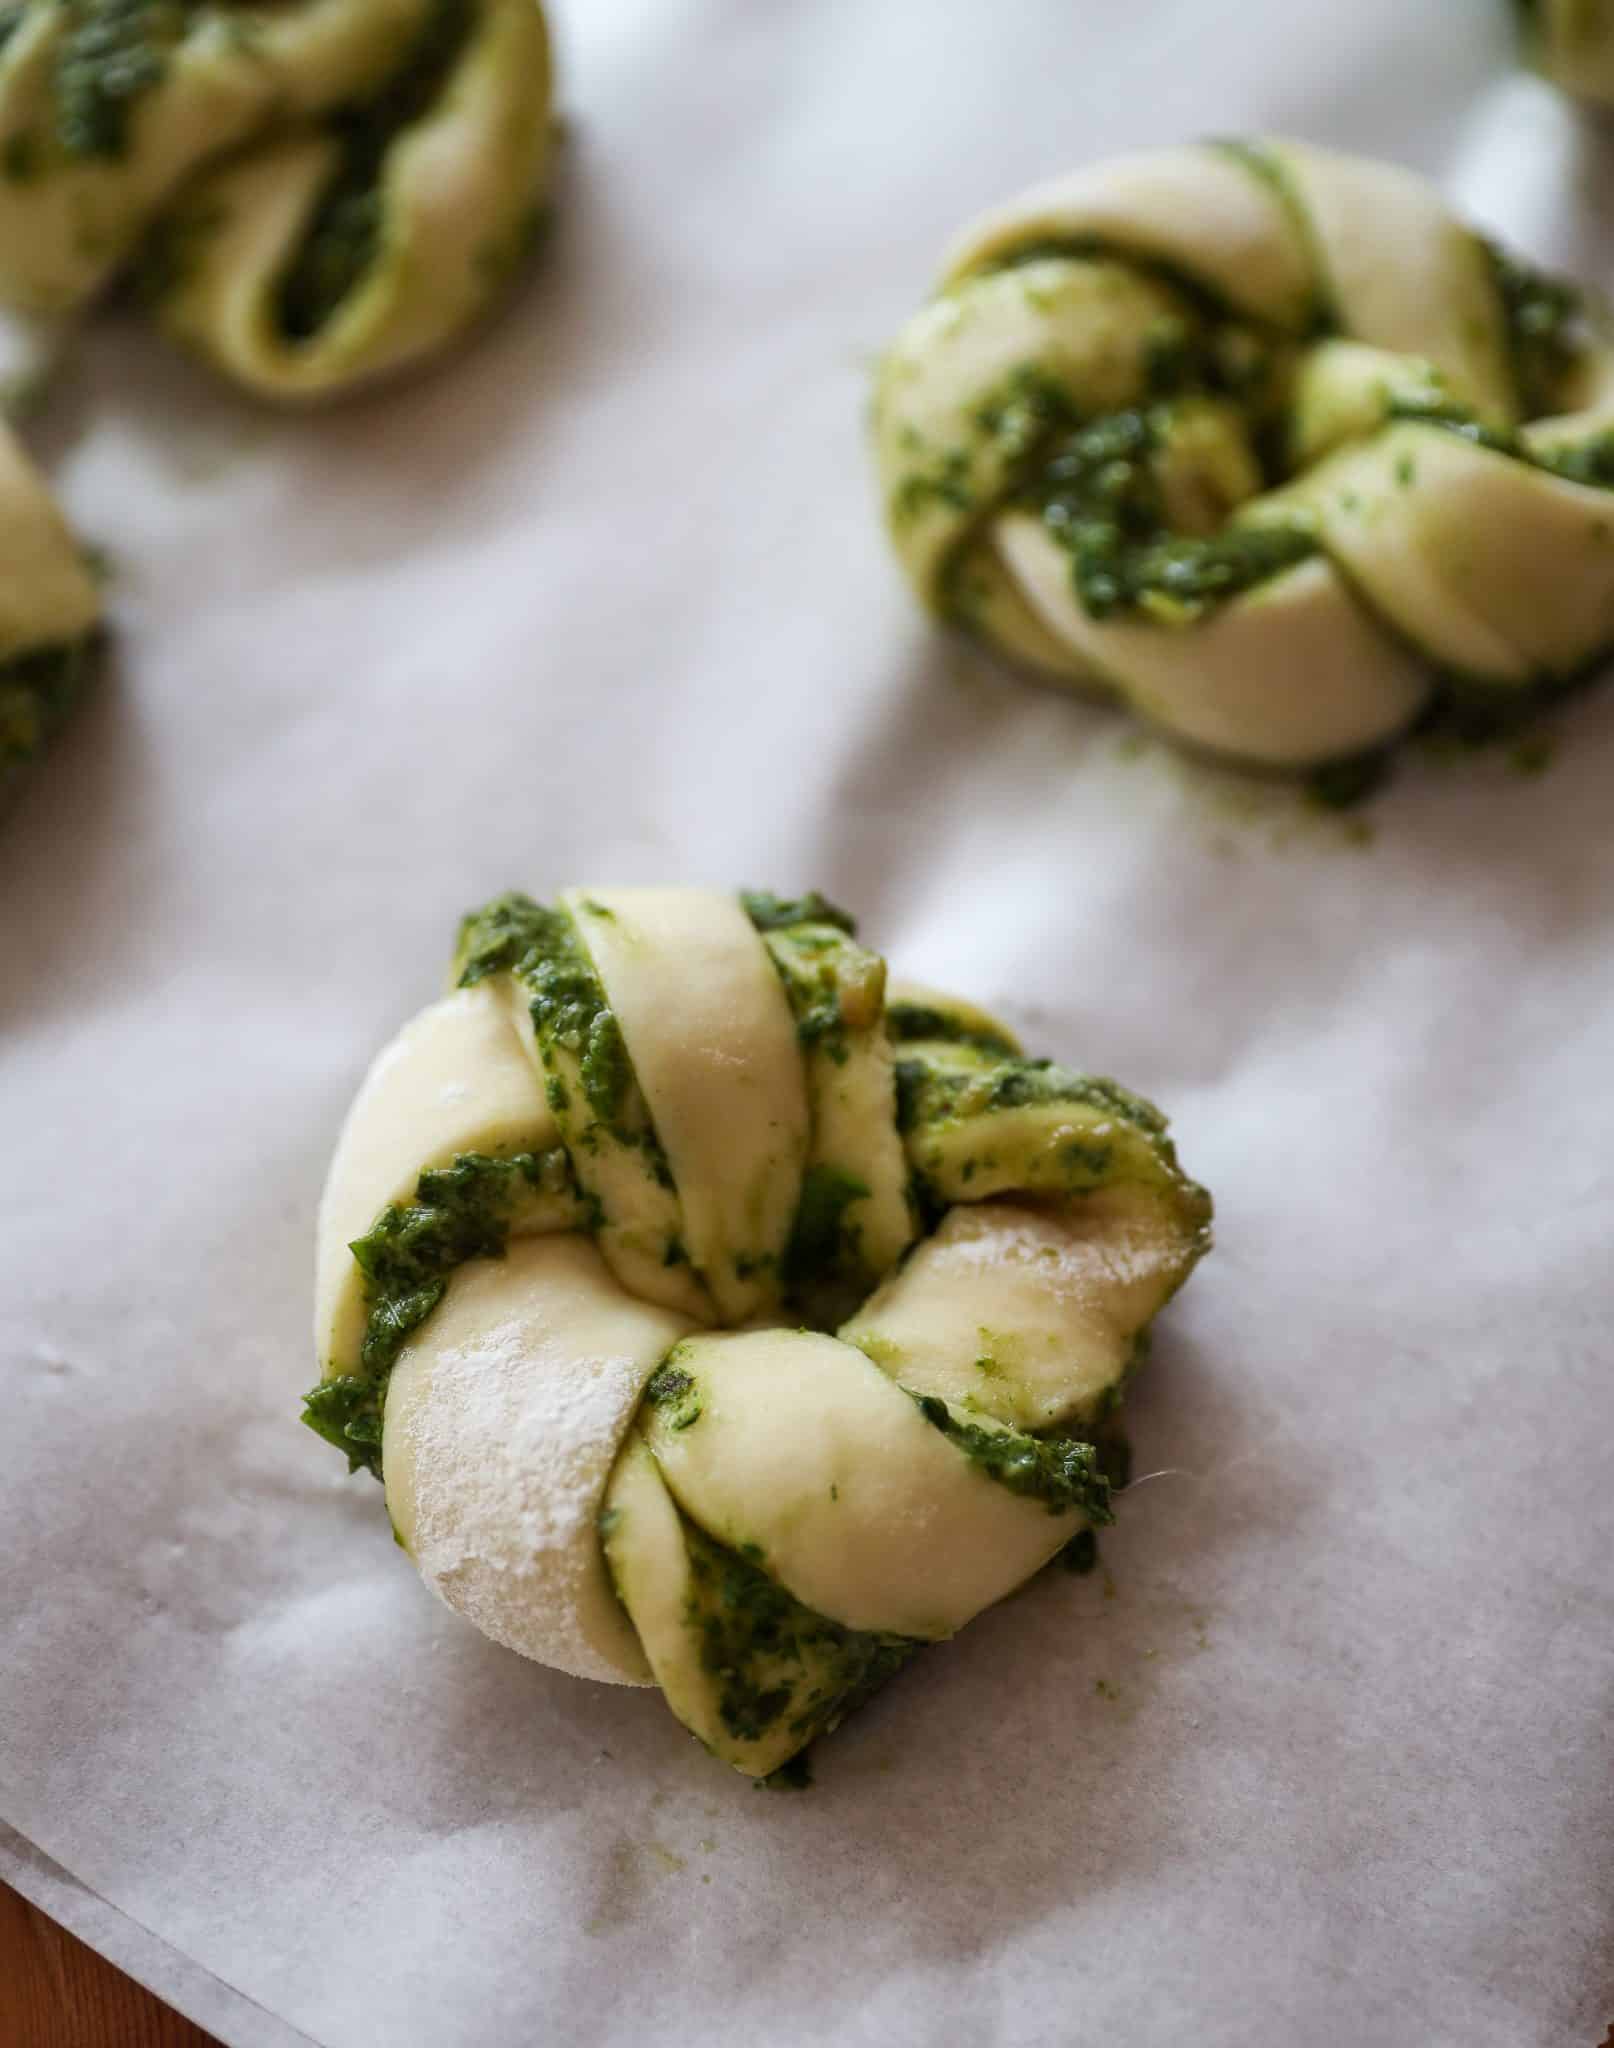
(49, 618)
(1571, 42)
(719, 1319)
(1262, 440)
(312, 195)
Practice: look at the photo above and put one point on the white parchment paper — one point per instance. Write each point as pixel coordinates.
(1323, 1756)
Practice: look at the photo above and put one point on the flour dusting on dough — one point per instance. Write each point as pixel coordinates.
(512, 1452)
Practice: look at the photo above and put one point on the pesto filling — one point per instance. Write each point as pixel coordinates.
(460, 1212)
(907, 1022)
(344, 236)
(110, 54)
(770, 913)
(1589, 462)
(809, 958)
(566, 1000)
(1545, 319)
(38, 693)
(929, 1093)
(1120, 1140)
(1101, 499)
(1063, 1472)
(823, 1271)
(675, 1392)
(772, 1660)
(1093, 480)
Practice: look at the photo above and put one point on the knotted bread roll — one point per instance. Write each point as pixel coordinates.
(315, 194)
(1259, 438)
(49, 615)
(1572, 43)
(718, 1321)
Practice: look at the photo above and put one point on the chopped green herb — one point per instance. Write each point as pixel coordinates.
(1062, 1472)
(676, 1392)
(1100, 497)
(905, 1022)
(109, 54)
(1545, 317)
(773, 1659)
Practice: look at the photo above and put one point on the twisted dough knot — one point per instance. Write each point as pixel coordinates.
(597, 1214)
(317, 194)
(1572, 43)
(49, 612)
(1254, 436)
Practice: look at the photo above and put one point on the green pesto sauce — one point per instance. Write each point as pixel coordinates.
(1589, 462)
(907, 1022)
(345, 233)
(38, 693)
(1545, 319)
(111, 53)
(824, 1273)
(460, 1212)
(1201, 297)
(1100, 499)
(772, 1659)
(541, 948)
(1060, 1471)
(770, 913)
(808, 958)
(942, 481)
(929, 1094)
